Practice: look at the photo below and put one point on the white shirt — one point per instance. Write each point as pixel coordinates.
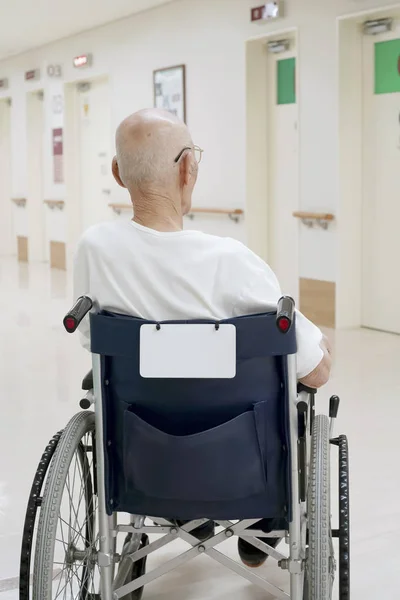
(130, 269)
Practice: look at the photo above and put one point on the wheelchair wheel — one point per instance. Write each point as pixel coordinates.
(67, 539)
(34, 504)
(320, 566)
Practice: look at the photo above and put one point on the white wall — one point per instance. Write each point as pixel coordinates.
(7, 239)
(209, 36)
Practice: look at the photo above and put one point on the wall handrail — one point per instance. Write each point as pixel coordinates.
(233, 213)
(314, 218)
(54, 204)
(19, 201)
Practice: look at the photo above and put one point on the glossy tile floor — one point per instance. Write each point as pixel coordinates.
(40, 373)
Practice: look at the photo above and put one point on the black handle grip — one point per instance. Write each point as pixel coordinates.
(80, 309)
(334, 407)
(285, 314)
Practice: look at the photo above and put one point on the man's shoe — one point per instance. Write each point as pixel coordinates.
(253, 557)
(203, 533)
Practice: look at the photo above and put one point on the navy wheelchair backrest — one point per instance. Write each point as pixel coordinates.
(196, 448)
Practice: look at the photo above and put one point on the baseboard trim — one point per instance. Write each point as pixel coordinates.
(318, 301)
(58, 255)
(22, 245)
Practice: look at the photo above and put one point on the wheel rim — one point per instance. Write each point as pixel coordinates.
(30, 525)
(75, 569)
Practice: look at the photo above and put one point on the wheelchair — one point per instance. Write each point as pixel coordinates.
(194, 422)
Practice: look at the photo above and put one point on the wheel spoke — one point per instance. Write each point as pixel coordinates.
(86, 522)
(69, 572)
(62, 589)
(62, 535)
(60, 572)
(89, 515)
(88, 474)
(71, 501)
(82, 494)
(59, 583)
(78, 532)
(73, 486)
(70, 585)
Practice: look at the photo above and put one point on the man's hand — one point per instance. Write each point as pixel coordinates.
(321, 373)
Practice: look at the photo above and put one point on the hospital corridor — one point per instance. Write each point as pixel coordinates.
(199, 283)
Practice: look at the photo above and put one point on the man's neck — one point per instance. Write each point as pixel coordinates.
(157, 212)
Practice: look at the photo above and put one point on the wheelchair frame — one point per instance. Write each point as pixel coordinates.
(297, 527)
(113, 586)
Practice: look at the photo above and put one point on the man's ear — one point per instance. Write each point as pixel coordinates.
(187, 169)
(115, 171)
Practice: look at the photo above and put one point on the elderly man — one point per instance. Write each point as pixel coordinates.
(151, 268)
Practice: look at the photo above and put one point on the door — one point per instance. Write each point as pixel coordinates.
(283, 171)
(35, 198)
(94, 120)
(7, 239)
(381, 178)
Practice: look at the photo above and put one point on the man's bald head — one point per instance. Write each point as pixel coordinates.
(147, 143)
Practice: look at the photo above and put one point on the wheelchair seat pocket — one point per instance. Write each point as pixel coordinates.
(222, 463)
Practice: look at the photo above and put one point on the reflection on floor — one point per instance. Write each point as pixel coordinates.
(40, 372)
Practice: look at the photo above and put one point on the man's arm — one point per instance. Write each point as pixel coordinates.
(261, 288)
(320, 375)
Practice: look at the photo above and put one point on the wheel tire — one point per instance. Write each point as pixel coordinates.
(81, 424)
(344, 520)
(34, 503)
(320, 561)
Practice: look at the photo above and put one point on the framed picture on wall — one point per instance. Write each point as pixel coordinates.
(170, 90)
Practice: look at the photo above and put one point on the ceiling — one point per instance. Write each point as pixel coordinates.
(26, 24)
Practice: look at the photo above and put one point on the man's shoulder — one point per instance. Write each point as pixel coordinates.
(238, 251)
(100, 231)
(224, 244)
(235, 255)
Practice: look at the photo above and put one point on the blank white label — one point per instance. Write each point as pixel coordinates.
(188, 351)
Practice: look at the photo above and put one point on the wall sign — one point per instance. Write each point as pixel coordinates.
(84, 60)
(3, 84)
(54, 70)
(57, 104)
(267, 12)
(32, 75)
(170, 90)
(58, 156)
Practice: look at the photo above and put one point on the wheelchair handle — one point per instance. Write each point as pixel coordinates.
(285, 314)
(77, 313)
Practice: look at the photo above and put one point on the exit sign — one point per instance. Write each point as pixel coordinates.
(267, 12)
(32, 75)
(84, 60)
